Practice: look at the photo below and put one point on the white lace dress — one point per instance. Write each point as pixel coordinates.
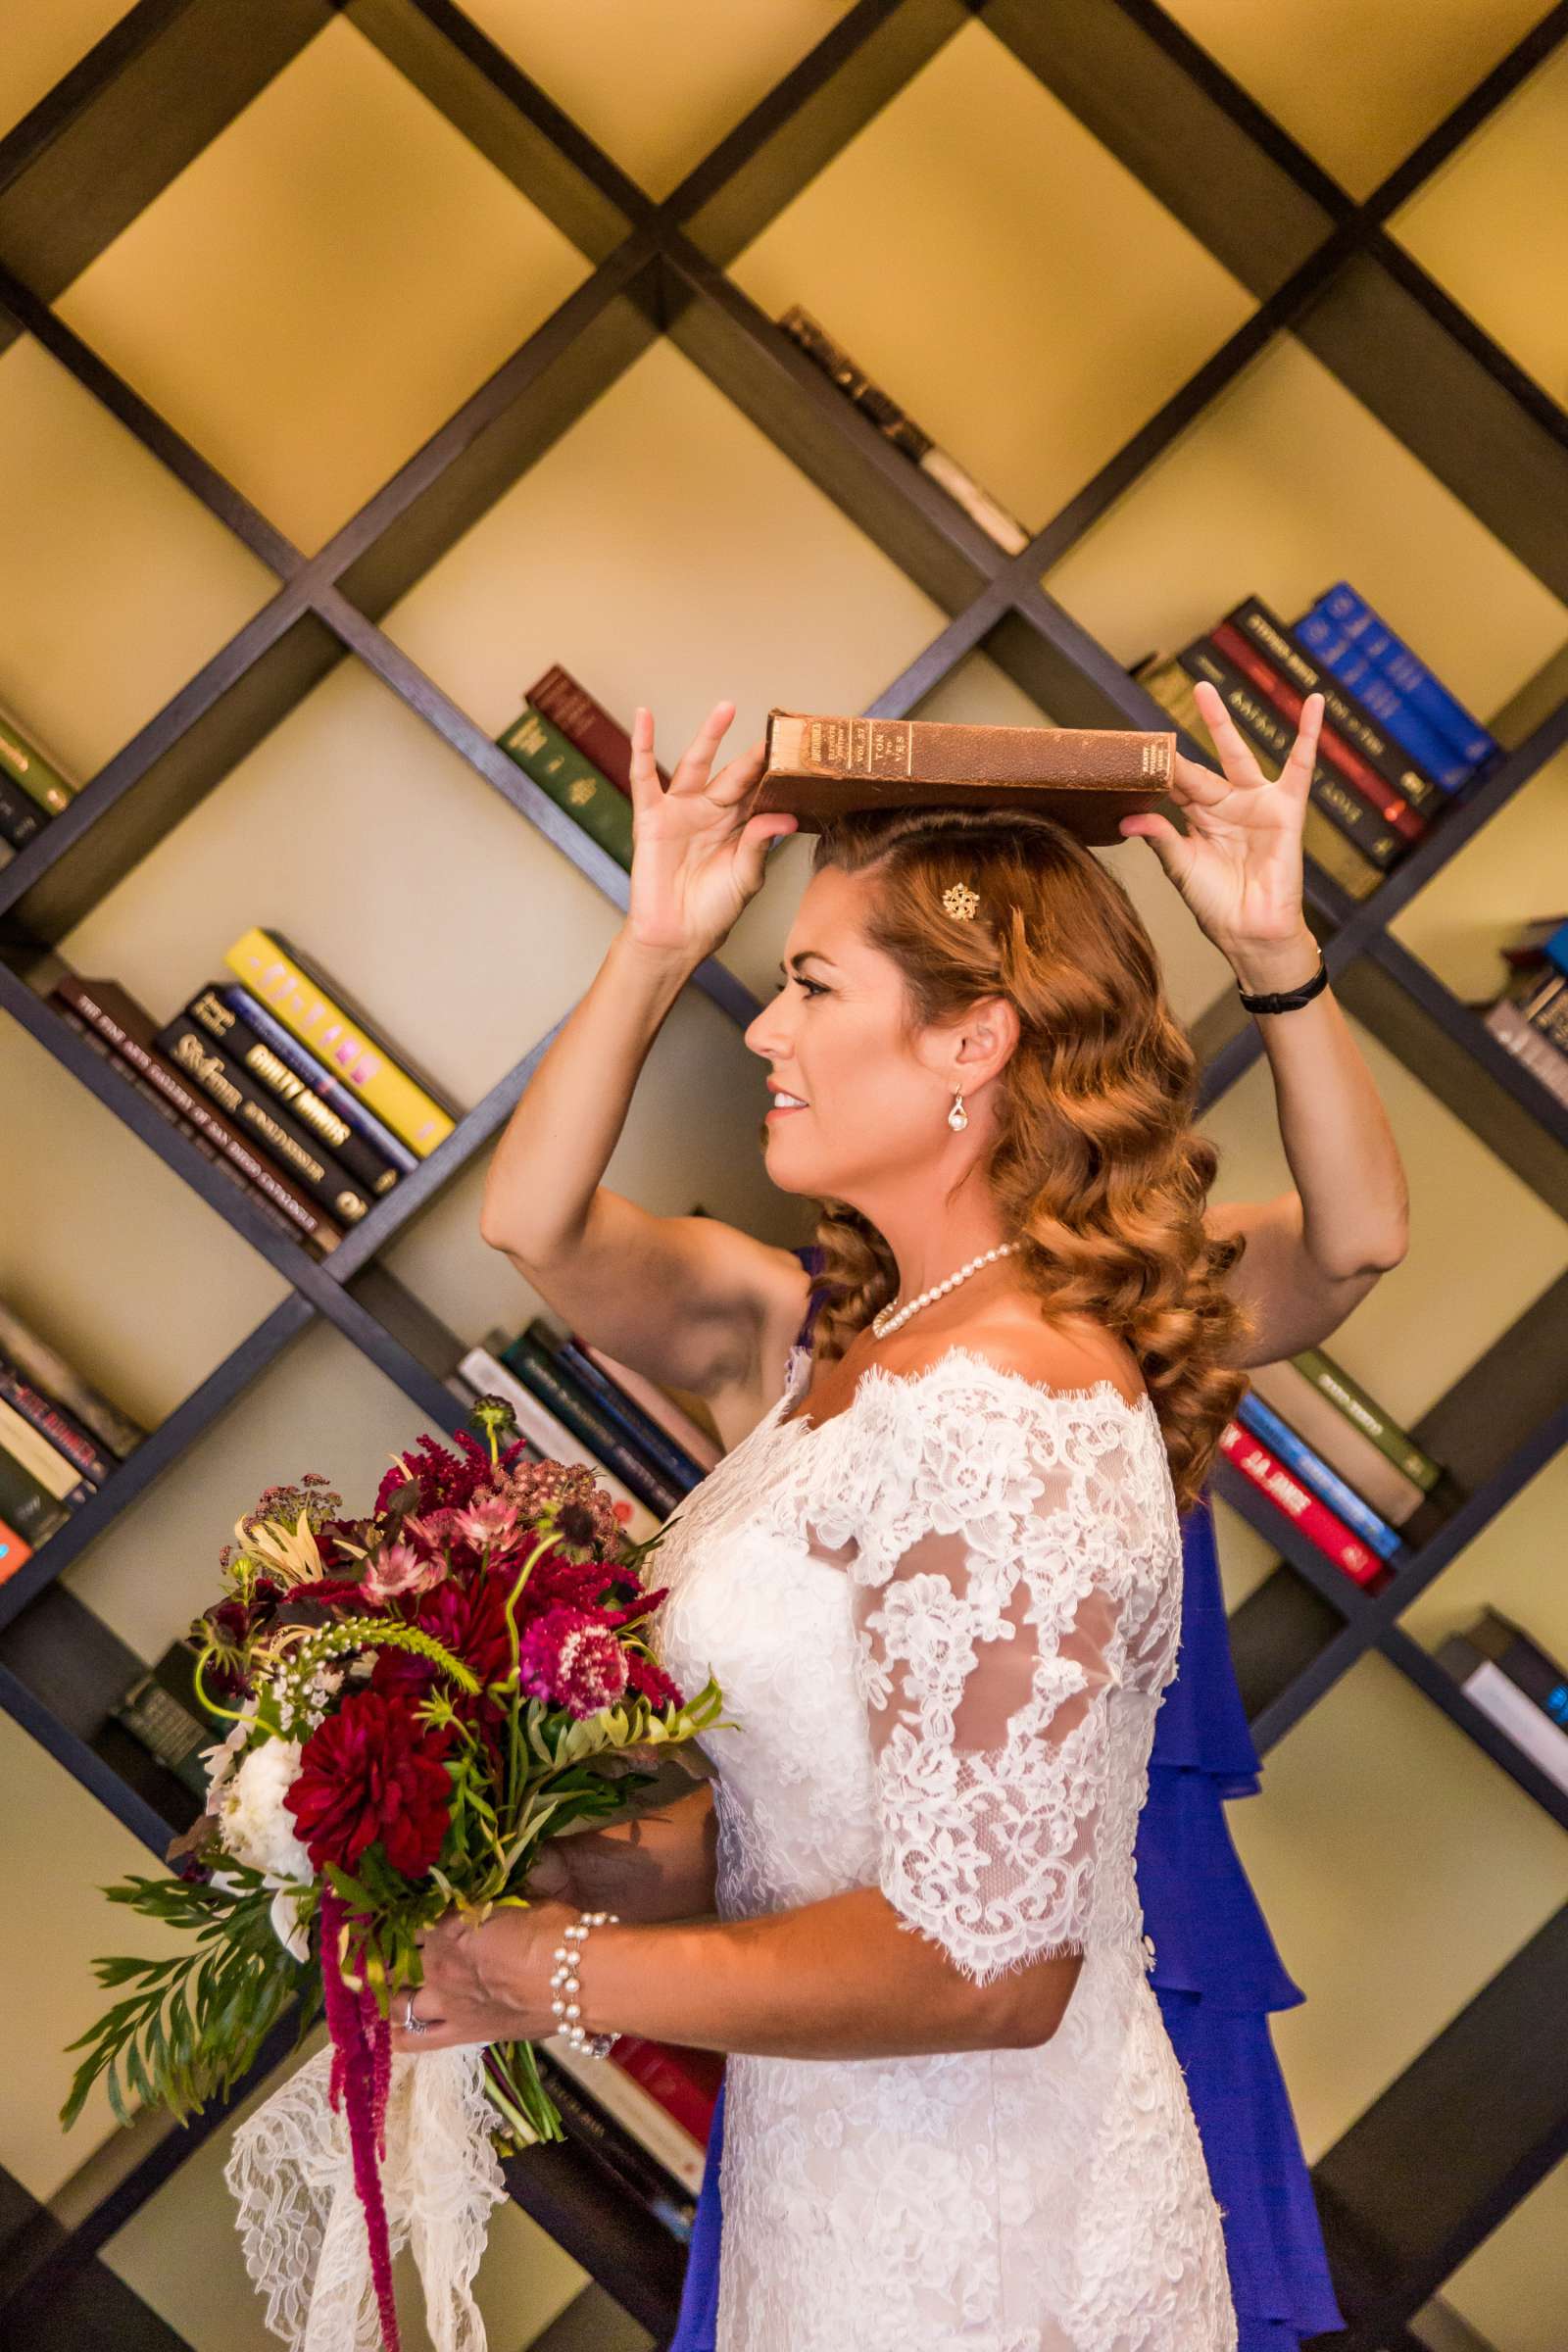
(943, 1619)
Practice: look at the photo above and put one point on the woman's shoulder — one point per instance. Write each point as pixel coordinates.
(1069, 1357)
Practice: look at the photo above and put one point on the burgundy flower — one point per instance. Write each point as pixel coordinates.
(651, 1681)
(466, 1616)
(370, 1773)
(571, 1658)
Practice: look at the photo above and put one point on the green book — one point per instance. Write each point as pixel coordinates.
(38, 778)
(572, 782)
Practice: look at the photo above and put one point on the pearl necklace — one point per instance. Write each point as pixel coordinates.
(888, 1319)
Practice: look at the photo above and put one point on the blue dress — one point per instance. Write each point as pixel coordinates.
(1217, 1976)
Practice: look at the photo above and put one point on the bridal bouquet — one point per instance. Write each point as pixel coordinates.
(415, 1700)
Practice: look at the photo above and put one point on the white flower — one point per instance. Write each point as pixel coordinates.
(287, 1925)
(219, 1760)
(250, 1810)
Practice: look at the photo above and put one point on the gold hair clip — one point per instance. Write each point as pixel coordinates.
(960, 902)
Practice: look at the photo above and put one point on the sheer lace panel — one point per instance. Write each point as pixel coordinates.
(1013, 1606)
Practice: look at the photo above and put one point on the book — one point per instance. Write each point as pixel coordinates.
(323, 1017)
(192, 1049)
(683, 2081)
(315, 1075)
(897, 426)
(1261, 1421)
(484, 1374)
(373, 1170)
(27, 1506)
(572, 782)
(1171, 687)
(1522, 1659)
(41, 1460)
(1323, 1528)
(21, 758)
(56, 1422)
(1380, 832)
(536, 1367)
(13, 1550)
(1345, 716)
(166, 1111)
(128, 1030)
(645, 2118)
(20, 817)
(818, 765)
(1328, 642)
(1424, 692)
(639, 1429)
(1365, 1414)
(1532, 1729)
(564, 2072)
(1514, 1030)
(602, 740)
(163, 1711)
(1397, 1497)
(672, 1409)
(37, 1361)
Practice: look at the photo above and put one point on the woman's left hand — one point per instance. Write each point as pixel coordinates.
(485, 1984)
(1238, 865)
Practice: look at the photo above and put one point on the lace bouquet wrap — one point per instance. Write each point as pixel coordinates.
(415, 1700)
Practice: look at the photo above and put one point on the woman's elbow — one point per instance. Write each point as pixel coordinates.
(1031, 2001)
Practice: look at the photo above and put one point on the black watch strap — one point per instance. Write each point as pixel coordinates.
(1286, 999)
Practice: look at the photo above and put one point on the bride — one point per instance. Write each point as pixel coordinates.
(941, 1583)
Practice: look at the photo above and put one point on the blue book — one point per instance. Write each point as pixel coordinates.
(641, 1429)
(1297, 1455)
(1361, 674)
(1558, 947)
(304, 1064)
(1406, 671)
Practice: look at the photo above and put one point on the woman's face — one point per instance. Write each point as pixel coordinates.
(877, 1102)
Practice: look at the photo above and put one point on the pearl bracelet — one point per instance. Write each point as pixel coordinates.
(567, 1984)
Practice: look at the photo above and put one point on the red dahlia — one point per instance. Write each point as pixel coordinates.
(372, 1774)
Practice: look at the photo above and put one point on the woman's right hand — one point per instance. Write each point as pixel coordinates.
(696, 862)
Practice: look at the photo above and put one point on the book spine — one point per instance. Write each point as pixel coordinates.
(25, 1505)
(628, 2164)
(1329, 1533)
(1261, 1421)
(1366, 1415)
(371, 1171)
(572, 782)
(22, 759)
(192, 1050)
(667, 1411)
(64, 1385)
(275, 976)
(1422, 689)
(486, 1375)
(52, 1420)
(1331, 646)
(1333, 749)
(641, 1432)
(602, 740)
(1252, 620)
(1301, 1404)
(20, 817)
(1487, 1686)
(633, 2110)
(254, 1015)
(659, 2071)
(1271, 737)
(810, 744)
(1523, 1661)
(296, 1204)
(1555, 947)
(14, 1551)
(1511, 1029)
(42, 1461)
(537, 1369)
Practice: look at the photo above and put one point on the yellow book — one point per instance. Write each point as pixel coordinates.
(277, 977)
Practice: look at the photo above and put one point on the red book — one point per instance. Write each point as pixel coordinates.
(1393, 808)
(685, 2082)
(1323, 1526)
(13, 1550)
(558, 697)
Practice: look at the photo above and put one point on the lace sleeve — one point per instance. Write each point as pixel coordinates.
(1012, 1587)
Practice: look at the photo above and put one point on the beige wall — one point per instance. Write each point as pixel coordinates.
(307, 302)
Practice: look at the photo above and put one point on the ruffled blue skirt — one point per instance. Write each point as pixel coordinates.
(1216, 1975)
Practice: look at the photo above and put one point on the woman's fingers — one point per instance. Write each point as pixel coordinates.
(691, 772)
(1235, 754)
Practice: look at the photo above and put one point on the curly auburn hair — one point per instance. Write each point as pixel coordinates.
(1097, 1171)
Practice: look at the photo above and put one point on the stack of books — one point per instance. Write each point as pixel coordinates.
(279, 1079)
(1529, 1016)
(33, 788)
(60, 1440)
(1325, 1453)
(1516, 1685)
(574, 1403)
(1396, 748)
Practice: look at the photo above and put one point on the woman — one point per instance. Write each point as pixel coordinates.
(943, 1597)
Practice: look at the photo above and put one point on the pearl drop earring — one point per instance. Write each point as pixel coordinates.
(958, 1116)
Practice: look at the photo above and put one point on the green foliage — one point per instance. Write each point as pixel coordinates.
(195, 2022)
